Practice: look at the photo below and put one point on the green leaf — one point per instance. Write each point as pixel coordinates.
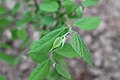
(89, 2)
(2, 77)
(53, 75)
(41, 72)
(44, 45)
(59, 59)
(27, 17)
(80, 47)
(66, 51)
(47, 20)
(9, 59)
(4, 22)
(50, 6)
(69, 6)
(4, 45)
(16, 8)
(23, 22)
(62, 71)
(3, 10)
(10, 18)
(46, 42)
(26, 0)
(21, 33)
(44, 32)
(79, 12)
(14, 33)
(88, 23)
(57, 43)
(39, 57)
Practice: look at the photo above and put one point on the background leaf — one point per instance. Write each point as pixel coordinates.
(26, 18)
(89, 2)
(2, 77)
(79, 12)
(50, 6)
(69, 6)
(47, 20)
(88, 23)
(4, 22)
(21, 33)
(3, 10)
(16, 8)
(80, 47)
(9, 59)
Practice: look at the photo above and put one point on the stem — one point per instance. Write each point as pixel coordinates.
(51, 57)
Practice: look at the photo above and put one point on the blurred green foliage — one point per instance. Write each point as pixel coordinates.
(2, 77)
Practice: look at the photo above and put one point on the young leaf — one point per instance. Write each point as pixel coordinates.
(44, 45)
(57, 43)
(9, 59)
(66, 51)
(50, 6)
(40, 72)
(80, 47)
(88, 23)
(89, 2)
(62, 71)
